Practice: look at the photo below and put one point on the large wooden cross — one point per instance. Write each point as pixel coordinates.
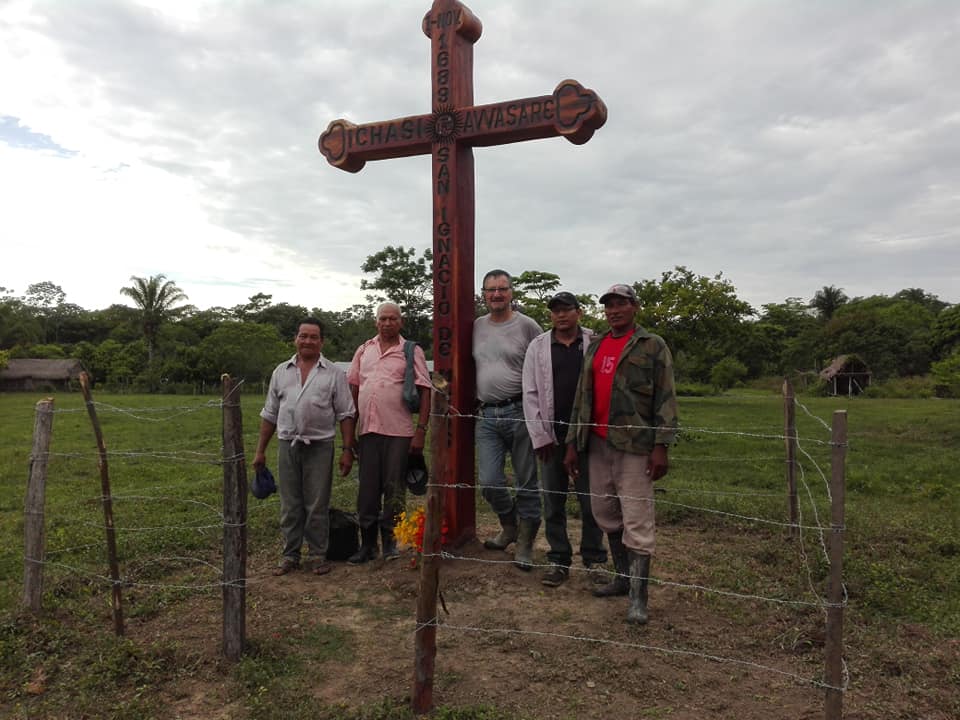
(450, 133)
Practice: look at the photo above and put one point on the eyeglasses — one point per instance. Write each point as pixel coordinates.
(497, 290)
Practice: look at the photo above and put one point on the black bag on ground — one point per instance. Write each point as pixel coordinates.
(344, 535)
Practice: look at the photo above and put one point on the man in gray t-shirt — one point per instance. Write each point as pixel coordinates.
(500, 341)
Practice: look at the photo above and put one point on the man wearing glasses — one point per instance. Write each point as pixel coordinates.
(500, 341)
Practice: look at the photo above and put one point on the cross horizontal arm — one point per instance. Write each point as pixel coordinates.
(572, 111)
(348, 146)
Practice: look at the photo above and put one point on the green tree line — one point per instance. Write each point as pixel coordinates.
(162, 343)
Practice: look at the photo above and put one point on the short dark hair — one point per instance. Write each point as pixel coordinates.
(497, 272)
(311, 321)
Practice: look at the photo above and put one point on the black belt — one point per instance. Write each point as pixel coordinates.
(501, 403)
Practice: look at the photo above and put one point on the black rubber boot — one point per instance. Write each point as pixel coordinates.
(639, 575)
(620, 584)
(389, 543)
(368, 546)
(523, 554)
(507, 534)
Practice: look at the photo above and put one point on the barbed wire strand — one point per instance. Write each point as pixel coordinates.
(766, 521)
(447, 555)
(436, 622)
(680, 431)
(135, 412)
(803, 407)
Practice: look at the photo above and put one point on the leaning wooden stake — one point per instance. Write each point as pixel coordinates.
(790, 440)
(106, 499)
(234, 522)
(34, 534)
(833, 706)
(425, 639)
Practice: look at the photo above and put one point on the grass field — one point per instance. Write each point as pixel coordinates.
(902, 540)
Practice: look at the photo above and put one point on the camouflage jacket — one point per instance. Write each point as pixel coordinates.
(643, 396)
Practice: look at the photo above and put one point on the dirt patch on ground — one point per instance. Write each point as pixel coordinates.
(510, 642)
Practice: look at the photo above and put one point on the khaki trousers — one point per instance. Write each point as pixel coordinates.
(622, 495)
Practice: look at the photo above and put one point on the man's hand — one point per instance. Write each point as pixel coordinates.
(267, 429)
(658, 464)
(546, 452)
(418, 441)
(346, 461)
(570, 462)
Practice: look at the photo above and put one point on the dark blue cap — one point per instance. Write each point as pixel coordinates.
(565, 298)
(263, 485)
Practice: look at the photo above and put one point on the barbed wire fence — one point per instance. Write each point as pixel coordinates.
(192, 521)
(829, 541)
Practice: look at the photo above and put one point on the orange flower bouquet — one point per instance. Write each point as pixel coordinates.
(409, 531)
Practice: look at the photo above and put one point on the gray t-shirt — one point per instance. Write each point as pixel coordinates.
(498, 350)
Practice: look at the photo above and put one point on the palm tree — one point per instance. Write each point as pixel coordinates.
(827, 300)
(155, 296)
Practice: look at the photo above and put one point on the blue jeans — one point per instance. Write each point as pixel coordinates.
(501, 430)
(306, 476)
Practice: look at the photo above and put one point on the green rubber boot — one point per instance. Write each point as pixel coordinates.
(639, 575)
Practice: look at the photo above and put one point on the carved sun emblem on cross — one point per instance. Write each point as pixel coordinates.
(445, 124)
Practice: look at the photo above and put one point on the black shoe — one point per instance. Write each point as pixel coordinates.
(363, 555)
(597, 572)
(555, 576)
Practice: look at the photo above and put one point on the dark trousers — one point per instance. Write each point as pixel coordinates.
(555, 484)
(383, 463)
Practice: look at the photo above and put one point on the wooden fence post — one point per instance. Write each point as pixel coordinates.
(833, 706)
(106, 500)
(790, 440)
(234, 522)
(34, 531)
(425, 639)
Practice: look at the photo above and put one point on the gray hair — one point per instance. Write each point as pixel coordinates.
(387, 304)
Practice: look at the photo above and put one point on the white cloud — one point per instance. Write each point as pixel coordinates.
(788, 145)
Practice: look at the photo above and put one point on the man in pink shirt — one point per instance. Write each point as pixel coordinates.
(386, 429)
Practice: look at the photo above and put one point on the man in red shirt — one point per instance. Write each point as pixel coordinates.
(625, 415)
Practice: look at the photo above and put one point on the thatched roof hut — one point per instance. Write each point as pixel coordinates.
(846, 375)
(38, 374)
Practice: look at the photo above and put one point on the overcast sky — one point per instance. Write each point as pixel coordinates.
(787, 144)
